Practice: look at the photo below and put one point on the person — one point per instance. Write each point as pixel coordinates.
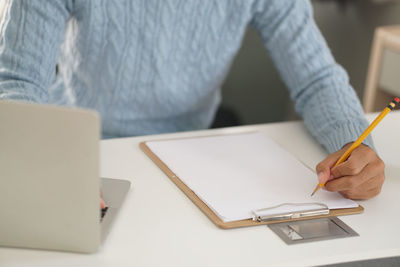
(150, 66)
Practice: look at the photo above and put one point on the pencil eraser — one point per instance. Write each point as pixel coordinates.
(397, 99)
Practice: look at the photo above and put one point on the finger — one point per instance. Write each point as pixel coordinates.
(374, 182)
(361, 195)
(365, 193)
(323, 176)
(359, 158)
(329, 161)
(353, 181)
(102, 203)
(323, 168)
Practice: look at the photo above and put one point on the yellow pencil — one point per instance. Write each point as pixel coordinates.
(364, 135)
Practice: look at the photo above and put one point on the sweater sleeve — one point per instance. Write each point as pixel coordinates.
(319, 86)
(31, 33)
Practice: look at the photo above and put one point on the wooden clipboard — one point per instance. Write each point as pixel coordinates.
(213, 217)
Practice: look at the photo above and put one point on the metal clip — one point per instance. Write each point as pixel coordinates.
(290, 215)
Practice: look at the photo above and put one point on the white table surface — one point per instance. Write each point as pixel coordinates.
(159, 226)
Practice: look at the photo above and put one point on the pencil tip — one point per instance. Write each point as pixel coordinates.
(315, 190)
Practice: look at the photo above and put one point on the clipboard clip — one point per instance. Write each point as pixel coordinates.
(258, 214)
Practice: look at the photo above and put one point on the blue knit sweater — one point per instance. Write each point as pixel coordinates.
(154, 66)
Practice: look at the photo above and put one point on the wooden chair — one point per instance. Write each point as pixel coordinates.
(383, 79)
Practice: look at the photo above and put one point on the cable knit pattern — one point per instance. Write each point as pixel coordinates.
(151, 66)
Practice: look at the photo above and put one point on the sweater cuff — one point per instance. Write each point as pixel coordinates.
(343, 133)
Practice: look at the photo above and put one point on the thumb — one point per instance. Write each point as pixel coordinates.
(324, 167)
(323, 175)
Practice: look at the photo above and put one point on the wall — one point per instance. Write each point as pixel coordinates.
(253, 88)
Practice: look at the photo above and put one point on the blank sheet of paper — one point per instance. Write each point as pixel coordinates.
(236, 174)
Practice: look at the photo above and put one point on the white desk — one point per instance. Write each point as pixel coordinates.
(160, 226)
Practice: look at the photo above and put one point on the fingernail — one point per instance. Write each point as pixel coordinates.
(331, 177)
(320, 177)
(102, 203)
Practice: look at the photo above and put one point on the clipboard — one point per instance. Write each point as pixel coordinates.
(257, 220)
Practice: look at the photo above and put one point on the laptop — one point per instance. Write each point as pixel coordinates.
(49, 179)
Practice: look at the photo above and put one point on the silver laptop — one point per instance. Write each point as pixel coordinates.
(49, 179)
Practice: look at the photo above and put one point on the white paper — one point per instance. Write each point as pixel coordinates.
(236, 174)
